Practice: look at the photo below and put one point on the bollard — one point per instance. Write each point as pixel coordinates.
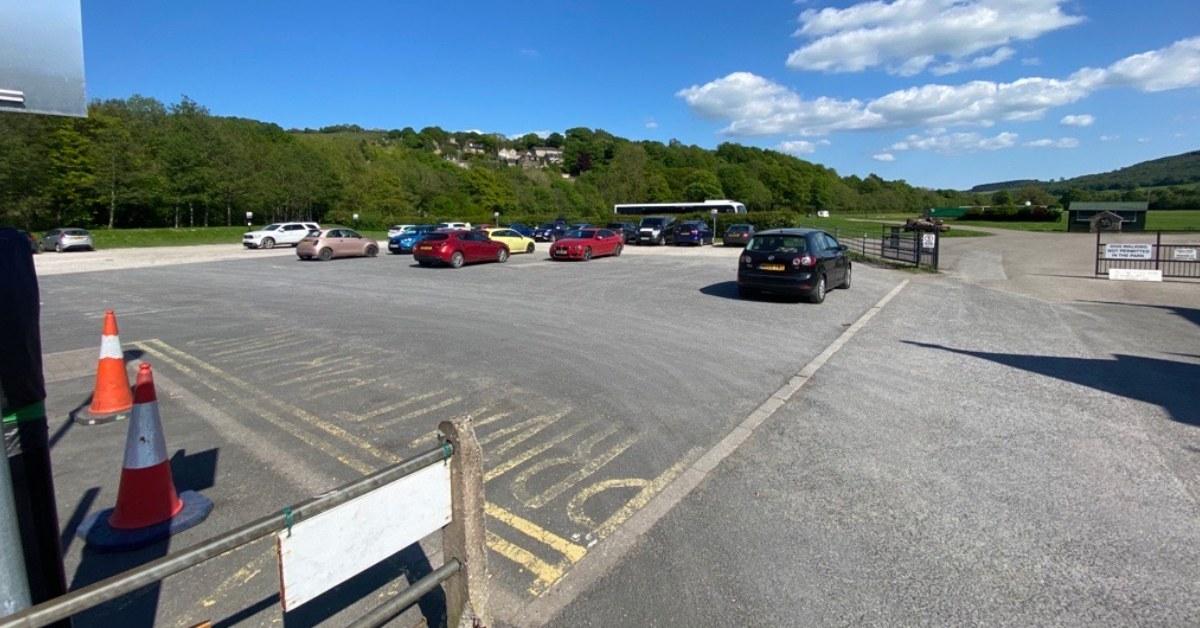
(464, 539)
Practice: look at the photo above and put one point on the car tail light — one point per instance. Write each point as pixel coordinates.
(804, 260)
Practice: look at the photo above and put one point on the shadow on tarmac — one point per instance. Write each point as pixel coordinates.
(1165, 383)
(194, 472)
(1191, 315)
(729, 290)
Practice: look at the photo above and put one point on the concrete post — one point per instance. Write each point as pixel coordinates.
(14, 588)
(464, 539)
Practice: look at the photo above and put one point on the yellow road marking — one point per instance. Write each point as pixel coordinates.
(545, 573)
(539, 422)
(345, 383)
(572, 551)
(575, 506)
(328, 370)
(520, 483)
(391, 407)
(432, 436)
(640, 500)
(294, 366)
(416, 413)
(289, 409)
(532, 452)
(264, 344)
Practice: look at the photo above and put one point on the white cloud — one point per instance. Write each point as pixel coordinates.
(986, 61)
(541, 134)
(651, 124)
(883, 157)
(1062, 142)
(906, 36)
(1028, 61)
(1109, 138)
(797, 147)
(1143, 140)
(939, 141)
(754, 105)
(1081, 120)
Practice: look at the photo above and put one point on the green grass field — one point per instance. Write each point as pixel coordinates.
(1156, 220)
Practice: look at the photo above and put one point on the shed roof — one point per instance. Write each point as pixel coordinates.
(1123, 206)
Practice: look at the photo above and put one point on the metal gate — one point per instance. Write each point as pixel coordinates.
(1174, 259)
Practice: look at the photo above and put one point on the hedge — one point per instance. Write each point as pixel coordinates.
(1013, 214)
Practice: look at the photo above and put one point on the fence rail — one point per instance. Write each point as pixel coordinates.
(121, 584)
(894, 245)
(1174, 259)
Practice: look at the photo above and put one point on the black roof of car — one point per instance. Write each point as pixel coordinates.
(788, 231)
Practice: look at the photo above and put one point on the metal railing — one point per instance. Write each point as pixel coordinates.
(895, 245)
(1174, 259)
(121, 584)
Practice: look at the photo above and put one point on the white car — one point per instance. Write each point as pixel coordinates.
(396, 230)
(459, 226)
(282, 233)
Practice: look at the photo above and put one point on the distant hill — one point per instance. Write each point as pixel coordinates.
(1180, 169)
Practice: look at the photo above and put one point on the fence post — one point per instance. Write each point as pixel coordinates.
(1097, 252)
(864, 243)
(464, 539)
(1157, 249)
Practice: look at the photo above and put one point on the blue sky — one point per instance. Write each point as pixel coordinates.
(824, 80)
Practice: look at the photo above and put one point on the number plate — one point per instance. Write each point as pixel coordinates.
(774, 267)
(425, 248)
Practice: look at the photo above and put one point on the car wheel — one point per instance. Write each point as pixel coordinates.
(58, 248)
(617, 251)
(818, 293)
(846, 283)
(372, 251)
(529, 249)
(456, 260)
(325, 255)
(587, 254)
(502, 255)
(268, 243)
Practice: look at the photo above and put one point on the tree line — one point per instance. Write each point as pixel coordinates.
(137, 162)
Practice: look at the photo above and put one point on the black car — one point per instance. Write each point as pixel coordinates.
(737, 235)
(795, 262)
(693, 232)
(627, 229)
(656, 230)
(550, 231)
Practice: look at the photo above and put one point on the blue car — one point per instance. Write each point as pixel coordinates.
(694, 232)
(403, 243)
(522, 229)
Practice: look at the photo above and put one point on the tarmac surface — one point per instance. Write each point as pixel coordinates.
(951, 449)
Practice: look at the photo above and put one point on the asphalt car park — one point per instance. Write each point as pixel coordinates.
(591, 385)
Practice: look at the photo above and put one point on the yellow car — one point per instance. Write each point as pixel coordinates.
(516, 242)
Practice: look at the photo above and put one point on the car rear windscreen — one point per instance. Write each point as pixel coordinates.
(436, 236)
(75, 232)
(779, 243)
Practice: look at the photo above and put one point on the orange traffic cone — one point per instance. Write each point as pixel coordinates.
(111, 399)
(148, 508)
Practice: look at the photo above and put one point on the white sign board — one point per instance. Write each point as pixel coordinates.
(1117, 250)
(1134, 274)
(1184, 255)
(320, 553)
(928, 241)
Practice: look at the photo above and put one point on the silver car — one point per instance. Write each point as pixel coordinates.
(66, 239)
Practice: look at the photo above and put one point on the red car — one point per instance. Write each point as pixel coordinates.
(455, 248)
(585, 244)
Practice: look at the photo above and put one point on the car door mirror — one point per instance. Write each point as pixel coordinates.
(843, 248)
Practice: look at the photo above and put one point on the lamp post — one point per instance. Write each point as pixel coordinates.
(355, 219)
(495, 219)
(249, 218)
(713, 211)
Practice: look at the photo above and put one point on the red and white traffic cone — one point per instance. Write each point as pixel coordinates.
(148, 508)
(111, 399)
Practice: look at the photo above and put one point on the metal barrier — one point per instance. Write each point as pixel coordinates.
(463, 542)
(1173, 259)
(918, 248)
